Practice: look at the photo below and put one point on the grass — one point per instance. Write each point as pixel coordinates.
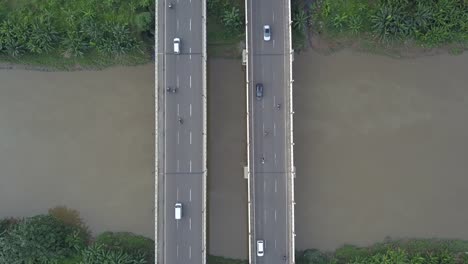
(56, 61)
(220, 41)
(222, 260)
(378, 27)
(421, 251)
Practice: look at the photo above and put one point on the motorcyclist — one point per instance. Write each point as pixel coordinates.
(170, 5)
(181, 121)
(278, 106)
(263, 160)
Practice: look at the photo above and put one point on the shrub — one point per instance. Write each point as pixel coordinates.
(314, 256)
(233, 19)
(429, 22)
(97, 254)
(71, 218)
(7, 223)
(39, 239)
(129, 243)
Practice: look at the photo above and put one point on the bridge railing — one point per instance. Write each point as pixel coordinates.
(249, 173)
(156, 134)
(204, 132)
(292, 169)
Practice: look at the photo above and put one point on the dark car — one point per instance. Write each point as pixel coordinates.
(259, 91)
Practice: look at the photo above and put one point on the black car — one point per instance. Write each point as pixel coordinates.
(259, 91)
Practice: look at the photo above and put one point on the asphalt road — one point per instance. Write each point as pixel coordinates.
(182, 142)
(269, 65)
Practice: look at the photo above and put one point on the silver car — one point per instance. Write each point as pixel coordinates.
(176, 45)
(266, 33)
(260, 248)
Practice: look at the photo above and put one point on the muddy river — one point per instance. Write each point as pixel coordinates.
(79, 139)
(381, 147)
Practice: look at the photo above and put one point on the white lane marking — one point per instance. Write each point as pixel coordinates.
(275, 215)
(190, 109)
(177, 250)
(264, 216)
(263, 127)
(178, 165)
(275, 159)
(177, 194)
(190, 166)
(264, 186)
(177, 225)
(177, 25)
(190, 223)
(190, 81)
(190, 25)
(274, 101)
(178, 110)
(190, 51)
(276, 189)
(178, 138)
(190, 195)
(275, 243)
(274, 129)
(177, 81)
(263, 73)
(190, 137)
(190, 252)
(273, 17)
(263, 104)
(273, 43)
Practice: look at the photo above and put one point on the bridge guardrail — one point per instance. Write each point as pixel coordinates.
(204, 132)
(249, 175)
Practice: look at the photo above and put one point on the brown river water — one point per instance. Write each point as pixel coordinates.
(381, 147)
(80, 139)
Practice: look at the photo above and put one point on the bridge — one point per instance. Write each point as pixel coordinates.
(180, 125)
(270, 167)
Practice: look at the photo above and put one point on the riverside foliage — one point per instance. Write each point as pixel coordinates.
(429, 22)
(74, 28)
(61, 237)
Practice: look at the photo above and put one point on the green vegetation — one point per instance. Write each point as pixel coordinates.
(222, 260)
(225, 27)
(425, 23)
(61, 34)
(419, 251)
(130, 244)
(61, 237)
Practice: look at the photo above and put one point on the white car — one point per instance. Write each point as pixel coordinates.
(178, 211)
(266, 33)
(260, 248)
(176, 45)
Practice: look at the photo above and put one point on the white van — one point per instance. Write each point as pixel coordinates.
(178, 211)
(176, 45)
(260, 248)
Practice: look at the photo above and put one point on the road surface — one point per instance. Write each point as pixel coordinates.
(269, 134)
(181, 126)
